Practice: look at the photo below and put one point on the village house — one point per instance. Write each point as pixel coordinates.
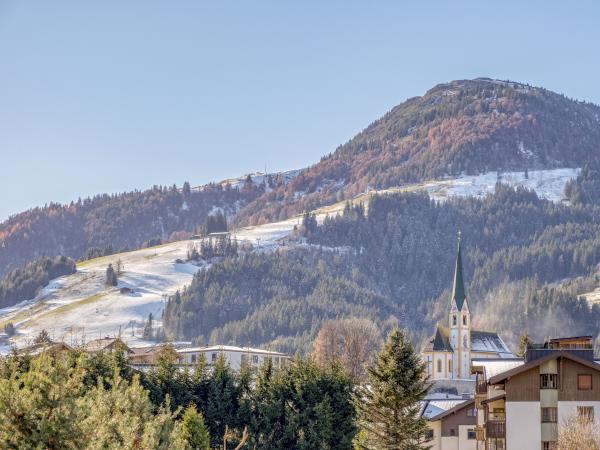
(523, 407)
(453, 428)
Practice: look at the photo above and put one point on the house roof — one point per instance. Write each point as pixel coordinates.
(458, 289)
(536, 362)
(98, 345)
(229, 348)
(455, 409)
(481, 341)
(36, 349)
(495, 366)
(149, 350)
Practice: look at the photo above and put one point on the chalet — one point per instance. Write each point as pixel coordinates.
(522, 405)
(106, 344)
(449, 352)
(453, 428)
(144, 355)
(50, 347)
(234, 356)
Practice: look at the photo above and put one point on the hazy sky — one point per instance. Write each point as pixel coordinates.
(119, 95)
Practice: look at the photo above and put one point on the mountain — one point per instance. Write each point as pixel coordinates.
(108, 224)
(461, 127)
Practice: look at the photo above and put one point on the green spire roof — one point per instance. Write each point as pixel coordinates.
(458, 290)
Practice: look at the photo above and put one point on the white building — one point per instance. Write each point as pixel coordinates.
(449, 352)
(524, 406)
(234, 356)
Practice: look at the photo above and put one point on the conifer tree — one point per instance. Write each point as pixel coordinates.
(388, 408)
(192, 433)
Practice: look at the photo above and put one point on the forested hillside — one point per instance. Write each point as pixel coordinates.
(112, 223)
(394, 265)
(466, 126)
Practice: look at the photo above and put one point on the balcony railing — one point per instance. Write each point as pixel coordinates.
(495, 429)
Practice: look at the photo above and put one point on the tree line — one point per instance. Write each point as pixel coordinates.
(70, 399)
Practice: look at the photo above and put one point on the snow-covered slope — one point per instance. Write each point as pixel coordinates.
(78, 307)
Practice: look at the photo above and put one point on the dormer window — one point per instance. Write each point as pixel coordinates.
(454, 320)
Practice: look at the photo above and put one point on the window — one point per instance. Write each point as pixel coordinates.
(548, 381)
(213, 357)
(244, 358)
(465, 320)
(255, 359)
(549, 415)
(439, 365)
(429, 434)
(471, 412)
(471, 433)
(452, 432)
(193, 358)
(586, 412)
(584, 382)
(450, 366)
(548, 445)
(454, 320)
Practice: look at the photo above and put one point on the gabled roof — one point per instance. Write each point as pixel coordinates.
(440, 341)
(458, 289)
(536, 362)
(453, 410)
(98, 345)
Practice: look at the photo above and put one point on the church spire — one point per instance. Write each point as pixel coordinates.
(458, 290)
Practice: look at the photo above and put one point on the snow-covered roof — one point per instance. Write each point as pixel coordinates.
(230, 348)
(432, 408)
(493, 366)
(488, 342)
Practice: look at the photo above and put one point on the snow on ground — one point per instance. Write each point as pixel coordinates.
(78, 307)
(549, 184)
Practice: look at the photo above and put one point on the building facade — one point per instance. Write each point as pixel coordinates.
(454, 428)
(524, 407)
(234, 356)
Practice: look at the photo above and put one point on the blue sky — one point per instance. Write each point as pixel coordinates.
(110, 96)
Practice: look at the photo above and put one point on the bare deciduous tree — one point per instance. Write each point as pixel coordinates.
(578, 433)
(352, 342)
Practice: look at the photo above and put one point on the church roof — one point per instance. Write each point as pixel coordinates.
(486, 341)
(481, 342)
(440, 341)
(458, 289)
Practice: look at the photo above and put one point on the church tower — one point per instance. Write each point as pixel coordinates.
(460, 323)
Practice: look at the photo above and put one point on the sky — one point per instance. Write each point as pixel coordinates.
(112, 96)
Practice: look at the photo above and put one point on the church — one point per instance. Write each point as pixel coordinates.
(449, 352)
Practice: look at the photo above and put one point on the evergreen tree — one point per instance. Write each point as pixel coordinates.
(111, 276)
(42, 338)
(388, 405)
(193, 431)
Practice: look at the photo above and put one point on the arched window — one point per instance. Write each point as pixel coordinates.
(449, 366)
(465, 320)
(439, 365)
(454, 320)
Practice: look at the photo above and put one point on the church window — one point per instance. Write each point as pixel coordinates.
(450, 366)
(454, 320)
(465, 320)
(439, 365)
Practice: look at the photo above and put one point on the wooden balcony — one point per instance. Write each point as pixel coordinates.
(481, 388)
(495, 429)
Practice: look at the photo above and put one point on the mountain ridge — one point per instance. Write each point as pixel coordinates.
(460, 127)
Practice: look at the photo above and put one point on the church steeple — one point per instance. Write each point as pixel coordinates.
(458, 290)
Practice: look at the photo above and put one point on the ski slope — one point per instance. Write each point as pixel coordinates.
(79, 307)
